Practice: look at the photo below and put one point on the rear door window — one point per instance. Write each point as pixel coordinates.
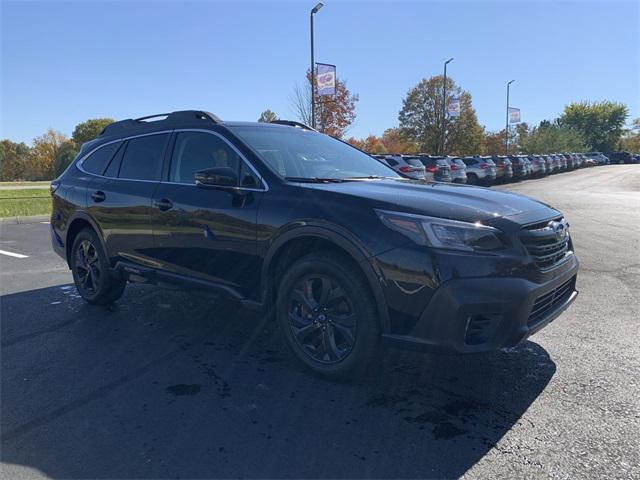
(97, 162)
(142, 158)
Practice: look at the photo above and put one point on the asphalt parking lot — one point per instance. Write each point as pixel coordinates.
(170, 384)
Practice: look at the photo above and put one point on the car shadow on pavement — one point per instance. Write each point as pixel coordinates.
(171, 384)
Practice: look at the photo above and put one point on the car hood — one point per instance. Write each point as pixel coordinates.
(444, 200)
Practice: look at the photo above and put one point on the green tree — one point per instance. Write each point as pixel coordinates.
(65, 156)
(551, 138)
(14, 158)
(631, 140)
(267, 116)
(87, 131)
(421, 119)
(601, 124)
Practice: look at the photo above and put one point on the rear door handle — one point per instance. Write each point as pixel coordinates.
(98, 196)
(163, 204)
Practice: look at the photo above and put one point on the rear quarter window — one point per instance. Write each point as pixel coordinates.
(414, 162)
(97, 162)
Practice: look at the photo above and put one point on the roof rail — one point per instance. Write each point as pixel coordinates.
(293, 123)
(169, 118)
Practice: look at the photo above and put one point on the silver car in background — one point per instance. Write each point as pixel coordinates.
(538, 165)
(407, 165)
(458, 169)
(480, 170)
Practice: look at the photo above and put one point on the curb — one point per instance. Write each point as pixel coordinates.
(24, 220)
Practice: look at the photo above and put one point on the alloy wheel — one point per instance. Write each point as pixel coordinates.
(87, 267)
(322, 318)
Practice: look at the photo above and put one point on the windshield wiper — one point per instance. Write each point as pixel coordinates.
(370, 177)
(315, 179)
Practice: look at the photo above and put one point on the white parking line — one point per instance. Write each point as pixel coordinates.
(11, 254)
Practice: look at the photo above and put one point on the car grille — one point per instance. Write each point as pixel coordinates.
(547, 242)
(546, 303)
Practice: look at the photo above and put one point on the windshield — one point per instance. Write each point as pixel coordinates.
(297, 153)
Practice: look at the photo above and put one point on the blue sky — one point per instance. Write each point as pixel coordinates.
(65, 62)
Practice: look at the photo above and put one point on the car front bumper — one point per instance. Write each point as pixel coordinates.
(471, 315)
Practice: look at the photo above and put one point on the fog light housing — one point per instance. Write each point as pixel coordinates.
(481, 328)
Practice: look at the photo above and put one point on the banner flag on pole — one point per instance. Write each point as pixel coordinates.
(325, 79)
(454, 107)
(514, 115)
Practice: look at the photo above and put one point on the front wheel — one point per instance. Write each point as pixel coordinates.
(328, 315)
(91, 272)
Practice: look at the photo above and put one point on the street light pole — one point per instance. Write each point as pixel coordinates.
(444, 103)
(506, 128)
(313, 74)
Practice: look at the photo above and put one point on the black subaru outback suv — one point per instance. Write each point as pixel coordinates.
(344, 251)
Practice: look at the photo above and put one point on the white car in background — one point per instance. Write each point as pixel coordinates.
(406, 165)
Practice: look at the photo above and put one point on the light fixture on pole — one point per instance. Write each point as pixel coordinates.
(313, 75)
(444, 103)
(506, 128)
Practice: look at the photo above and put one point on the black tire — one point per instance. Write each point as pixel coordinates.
(90, 269)
(472, 178)
(328, 315)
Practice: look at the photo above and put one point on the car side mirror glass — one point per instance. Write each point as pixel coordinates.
(221, 177)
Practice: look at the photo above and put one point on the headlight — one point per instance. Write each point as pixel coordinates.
(442, 233)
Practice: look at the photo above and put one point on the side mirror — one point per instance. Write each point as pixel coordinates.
(217, 177)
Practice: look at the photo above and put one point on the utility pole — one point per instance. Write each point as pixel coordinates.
(313, 69)
(506, 128)
(444, 103)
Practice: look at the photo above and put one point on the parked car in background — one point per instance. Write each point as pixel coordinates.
(550, 165)
(581, 158)
(504, 170)
(436, 166)
(480, 170)
(569, 159)
(563, 162)
(520, 167)
(458, 169)
(538, 165)
(406, 165)
(599, 158)
(620, 157)
(577, 160)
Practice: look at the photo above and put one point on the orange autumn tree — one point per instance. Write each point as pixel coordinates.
(334, 114)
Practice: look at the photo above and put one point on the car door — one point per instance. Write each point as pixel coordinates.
(203, 232)
(120, 199)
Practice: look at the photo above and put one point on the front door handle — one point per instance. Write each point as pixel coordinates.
(98, 196)
(163, 204)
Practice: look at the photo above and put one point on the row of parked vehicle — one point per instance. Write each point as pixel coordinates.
(486, 170)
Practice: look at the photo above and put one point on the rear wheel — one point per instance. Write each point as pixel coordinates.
(472, 178)
(327, 314)
(91, 272)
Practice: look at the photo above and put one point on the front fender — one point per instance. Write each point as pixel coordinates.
(340, 237)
